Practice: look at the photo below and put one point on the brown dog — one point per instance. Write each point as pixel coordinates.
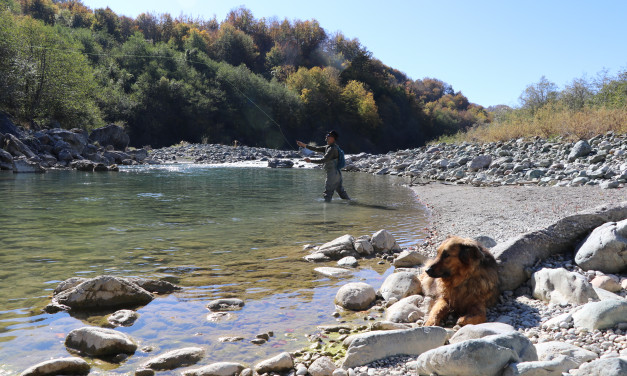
(463, 279)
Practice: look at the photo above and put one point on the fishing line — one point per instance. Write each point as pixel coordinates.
(183, 59)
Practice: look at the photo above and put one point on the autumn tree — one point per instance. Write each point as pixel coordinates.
(537, 95)
(234, 46)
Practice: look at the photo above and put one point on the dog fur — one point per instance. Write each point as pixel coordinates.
(463, 279)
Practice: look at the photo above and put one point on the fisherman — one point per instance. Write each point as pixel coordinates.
(330, 163)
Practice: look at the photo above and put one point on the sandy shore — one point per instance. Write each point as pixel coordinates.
(505, 212)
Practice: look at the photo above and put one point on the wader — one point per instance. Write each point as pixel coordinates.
(334, 176)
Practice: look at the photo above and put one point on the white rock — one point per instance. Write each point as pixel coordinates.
(401, 311)
(323, 366)
(367, 347)
(606, 283)
(279, 363)
(123, 317)
(601, 315)
(333, 272)
(100, 341)
(400, 285)
(348, 261)
(338, 248)
(557, 286)
(363, 246)
(481, 330)
(61, 366)
(409, 259)
(604, 367)
(355, 296)
(216, 369)
(553, 367)
(605, 249)
(383, 241)
(553, 349)
(176, 358)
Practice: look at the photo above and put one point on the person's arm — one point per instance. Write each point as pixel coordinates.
(319, 149)
(331, 154)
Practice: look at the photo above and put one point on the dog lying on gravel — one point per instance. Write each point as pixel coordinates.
(463, 279)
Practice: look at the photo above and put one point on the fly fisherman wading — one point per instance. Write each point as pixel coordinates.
(330, 164)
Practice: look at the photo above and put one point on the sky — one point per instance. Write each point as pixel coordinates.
(489, 50)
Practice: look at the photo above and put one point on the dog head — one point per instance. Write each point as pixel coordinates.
(455, 255)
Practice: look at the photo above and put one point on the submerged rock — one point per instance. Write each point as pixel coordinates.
(100, 342)
(231, 304)
(175, 359)
(61, 366)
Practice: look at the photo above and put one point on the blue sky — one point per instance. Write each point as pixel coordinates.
(488, 50)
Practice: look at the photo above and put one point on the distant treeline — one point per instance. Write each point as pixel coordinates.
(170, 79)
(584, 108)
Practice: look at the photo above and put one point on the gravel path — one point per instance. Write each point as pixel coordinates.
(508, 211)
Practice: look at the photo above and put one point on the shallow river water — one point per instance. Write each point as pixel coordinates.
(215, 231)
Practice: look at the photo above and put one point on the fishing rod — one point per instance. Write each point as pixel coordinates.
(183, 59)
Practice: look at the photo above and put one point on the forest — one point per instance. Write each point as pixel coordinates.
(263, 82)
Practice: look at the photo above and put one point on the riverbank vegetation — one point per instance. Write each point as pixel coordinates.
(264, 82)
(584, 108)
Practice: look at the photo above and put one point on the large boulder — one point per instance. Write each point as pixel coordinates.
(23, 165)
(76, 140)
(363, 246)
(485, 356)
(409, 309)
(280, 363)
(605, 249)
(216, 369)
(322, 366)
(7, 125)
(400, 285)
(6, 160)
(175, 359)
(355, 296)
(102, 292)
(522, 252)
(409, 259)
(367, 347)
(111, 134)
(99, 342)
(601, 315)
(383, 241)
(338, 248)
(480, 162)
(61, 366)
(15, 147)
(480, 330)
(604, 367)
(559, 286)
(580, 149)
(555, 349)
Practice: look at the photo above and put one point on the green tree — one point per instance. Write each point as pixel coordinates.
(537, 95)
(234, 46)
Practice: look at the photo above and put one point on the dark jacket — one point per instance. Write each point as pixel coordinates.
(329, 159)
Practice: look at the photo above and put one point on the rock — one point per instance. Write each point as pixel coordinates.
(15, 147)
(605, 249)
(522, 252)
(76, 140)
(102, 292)
(480, 162)
(280, 163)
(61, 366)
(144, 372)
(279, 363)
(559, 286)
(553, 367)
(601, 315)
(604, 367)
(485, 356)
(22, 165)
(388, 325)
(486, 241)
(231, 304)
(400, 285)
(323, 366)
(606, 295)
(155, 286)
(110, 135)
(175, 359)
(316, 257)
(363, 246)
(383, 241)
(355, 296)
(554, 349)
(480, 330)
(216, 369)
(338, 248)
(6, 160)
(124, 317)
(367, 347)
(606, 283)
(409, 259)
(82, 165)
(100, 342)
(218, 317)
(68, 284)
(401, 311)
(7, 125)
(348, 261)
(333, 272)
(581, 149)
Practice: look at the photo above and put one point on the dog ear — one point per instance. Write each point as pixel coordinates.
(469, 252)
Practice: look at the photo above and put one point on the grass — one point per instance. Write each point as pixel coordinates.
(548, 122)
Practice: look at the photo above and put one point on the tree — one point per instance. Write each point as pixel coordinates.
(106, 20)
(361, 102)
(234, 46)
(576, 94)
(537, 95)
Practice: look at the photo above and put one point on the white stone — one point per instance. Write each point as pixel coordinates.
(323, 366)
(559, 286)
(400, 311)
(348, 261)
(481, 330)
(100, 341)
(605, 249)
(601, 315)
(409, 258)
(355, 296)
(383, 241)
(279, 363)
(400, 285)
(333, 272)
(175, 358)
(606, 283)
(216, 369)
(61, 366)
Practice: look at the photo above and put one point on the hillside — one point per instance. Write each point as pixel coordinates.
(263, 82)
